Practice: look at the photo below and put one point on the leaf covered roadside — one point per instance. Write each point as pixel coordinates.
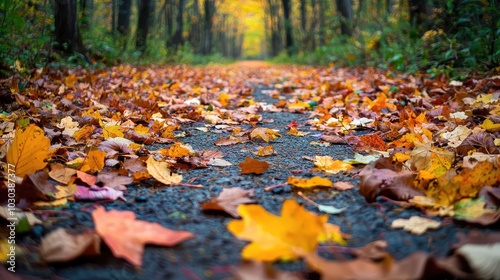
(436, 141)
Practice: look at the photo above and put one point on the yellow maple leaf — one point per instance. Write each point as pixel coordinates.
(332, 233)
(144, 130)
(29, 151)
(309, 183)
(83, 132)
(112, 131)
(265, 134)
(161, 172)
(94, 161)
(490, 126)
(426, 157)
(471, 181)
(327, 164)
(177, 150)
(70, 81)
(277, 237)
(295, 132)
(265, 151)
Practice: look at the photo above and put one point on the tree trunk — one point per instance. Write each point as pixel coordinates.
(209, 8)
(66, 31)
(418, 10)
(345, 9)
(177, 39)
(124, 8)
(86, 7)
(288, 26)
(194, 28)
(143, 24)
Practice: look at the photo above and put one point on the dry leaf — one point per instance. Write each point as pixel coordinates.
(126, 236)
(416, 224)
(29, 151)
(327, 164)
(60, 173)
(161, 172)
(309, 183)
(252, 270)
(251, 165)
(229, 200)
(277, 237)
(93, 162)
(343, 186)
(60, 246)
(265, 134)
(265, 151)
(397, 185)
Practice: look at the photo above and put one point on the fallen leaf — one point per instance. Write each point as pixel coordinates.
(219, 162)
(327, 164)
(93, 162)
(29, 151)
(397, 185)
(229, 200)
(265, 151)
(252, 270)
(265, 134)
(95, 193)
(251, 165)
(126, 236)
(114, 180)
(277, 237)
(376, 250)
(484, 260)
(60, 173)
(309, 182)
(361, 159)
(60, 246)
(415, 224)
(161, 172)
(343, 186)
(481, 142)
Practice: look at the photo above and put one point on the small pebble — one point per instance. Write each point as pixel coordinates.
(141, 198)
(216, 188)
(277, 190)
(287, 189)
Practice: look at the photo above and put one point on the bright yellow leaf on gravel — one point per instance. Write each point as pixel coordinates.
(327, 164)
(295, 132)
(177, 150)
(29, 151)
(277, 237)
(309, 183)
(265, 134)
(94, 161)
(161, 172)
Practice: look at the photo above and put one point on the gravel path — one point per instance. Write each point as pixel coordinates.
(215, 250)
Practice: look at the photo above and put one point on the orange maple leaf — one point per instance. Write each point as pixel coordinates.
(126, 236)
(251, 165)
(94, 161)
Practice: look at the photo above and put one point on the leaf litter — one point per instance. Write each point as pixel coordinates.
(428, 145)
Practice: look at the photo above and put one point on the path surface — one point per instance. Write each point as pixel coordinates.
(214, 250)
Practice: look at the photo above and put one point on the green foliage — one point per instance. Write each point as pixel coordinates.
(25, 32)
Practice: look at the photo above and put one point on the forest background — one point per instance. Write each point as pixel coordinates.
(405, 35)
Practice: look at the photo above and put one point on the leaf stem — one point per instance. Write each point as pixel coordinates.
(274, 186)
(308, 199)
